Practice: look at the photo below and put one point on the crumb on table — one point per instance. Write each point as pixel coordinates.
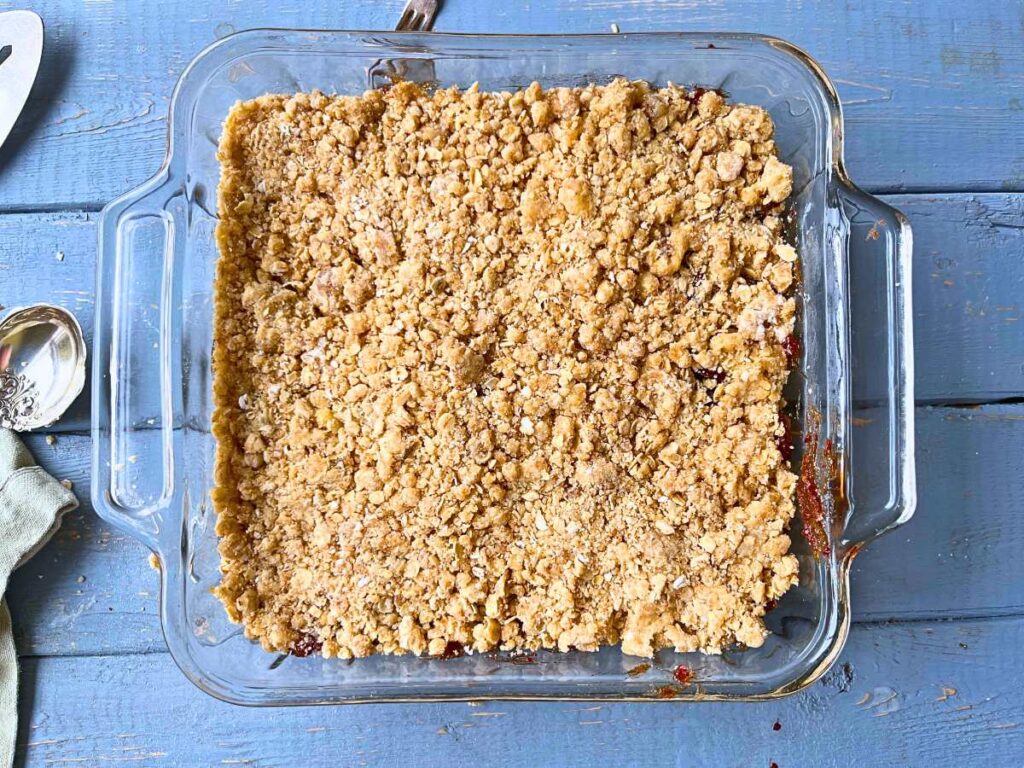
(502, 370)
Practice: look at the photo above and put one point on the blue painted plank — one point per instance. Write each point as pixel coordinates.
(90, 590)
(957, 557)
(909, 695)
(960, 554)
(968, 285)
(968, 294)
(933, 91)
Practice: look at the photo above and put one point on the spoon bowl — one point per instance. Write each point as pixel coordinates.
(42, 366)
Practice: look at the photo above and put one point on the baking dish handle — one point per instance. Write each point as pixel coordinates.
(880, 442)
(133, 409)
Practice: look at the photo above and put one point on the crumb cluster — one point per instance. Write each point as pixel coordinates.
(502, 370)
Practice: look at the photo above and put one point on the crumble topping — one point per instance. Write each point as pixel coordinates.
(502, 370)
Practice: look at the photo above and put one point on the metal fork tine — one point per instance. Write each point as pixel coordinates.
(406, 19)
(418, 16)
(430, 10)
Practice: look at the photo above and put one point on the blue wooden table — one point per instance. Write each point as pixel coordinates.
(934, 669)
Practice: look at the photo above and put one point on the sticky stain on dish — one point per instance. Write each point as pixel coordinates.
(820, 488)
(639, 669)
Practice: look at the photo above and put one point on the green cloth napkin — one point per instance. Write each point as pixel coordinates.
(31, 505)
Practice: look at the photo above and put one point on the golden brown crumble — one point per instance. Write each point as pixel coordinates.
(502, 370)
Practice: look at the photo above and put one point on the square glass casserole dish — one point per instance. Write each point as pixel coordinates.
(852, 397)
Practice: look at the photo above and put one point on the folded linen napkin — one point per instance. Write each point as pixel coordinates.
(31, 506)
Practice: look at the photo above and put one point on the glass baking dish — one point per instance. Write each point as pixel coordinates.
(153, 451)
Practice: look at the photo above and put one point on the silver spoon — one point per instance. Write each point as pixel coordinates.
(42, 366)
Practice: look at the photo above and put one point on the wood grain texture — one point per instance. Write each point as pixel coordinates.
(933, 95)
(51, 258)
(968, 294)
(968, 288)
(90, 590)
(907, 695)
(933, 92)
(960, 554)
(956, 558)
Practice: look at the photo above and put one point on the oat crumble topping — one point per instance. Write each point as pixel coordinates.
(502, 369)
